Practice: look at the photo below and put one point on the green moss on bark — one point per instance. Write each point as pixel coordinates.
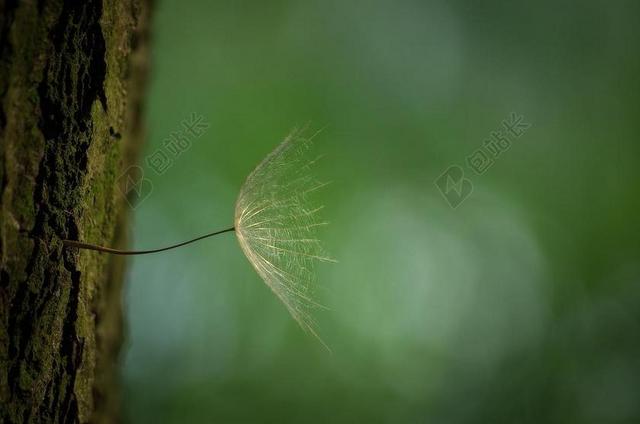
(71, 75)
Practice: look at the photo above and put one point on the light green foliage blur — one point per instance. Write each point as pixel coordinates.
(520, 305)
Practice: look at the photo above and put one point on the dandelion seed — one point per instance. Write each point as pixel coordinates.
(276, 227)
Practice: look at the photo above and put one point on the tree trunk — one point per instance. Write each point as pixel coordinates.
(71, 78)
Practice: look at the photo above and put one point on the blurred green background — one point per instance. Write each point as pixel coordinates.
(520, 305)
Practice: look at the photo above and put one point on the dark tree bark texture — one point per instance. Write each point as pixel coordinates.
(71, 79)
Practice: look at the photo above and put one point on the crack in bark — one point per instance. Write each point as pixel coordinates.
(56, 360)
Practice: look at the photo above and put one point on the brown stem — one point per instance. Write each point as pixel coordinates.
(81, 245)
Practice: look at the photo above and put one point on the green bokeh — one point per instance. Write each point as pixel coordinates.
(520, 305)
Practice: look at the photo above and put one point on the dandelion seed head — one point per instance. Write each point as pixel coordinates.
(276, 226)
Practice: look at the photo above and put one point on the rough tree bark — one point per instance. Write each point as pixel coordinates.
(71, 78)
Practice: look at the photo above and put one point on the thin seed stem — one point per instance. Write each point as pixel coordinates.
(81, 245)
